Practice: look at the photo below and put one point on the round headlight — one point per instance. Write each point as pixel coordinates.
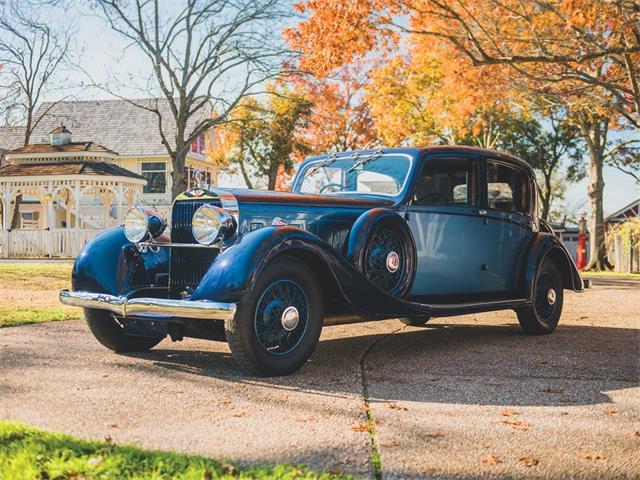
(206, 224)
(136, 224)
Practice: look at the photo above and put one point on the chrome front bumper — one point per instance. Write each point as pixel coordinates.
(149, 307)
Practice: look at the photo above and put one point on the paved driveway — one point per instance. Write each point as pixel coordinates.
(463, 397)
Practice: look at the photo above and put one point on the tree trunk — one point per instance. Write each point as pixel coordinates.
(546, 198)
(273, 175)
(245, 174)
(597, 249)
(29, 124)
(596, 137)
(177, 176)
(15, 220)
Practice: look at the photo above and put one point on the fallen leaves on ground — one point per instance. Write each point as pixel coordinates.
(361, 428)
(517, 424)
(395, 406)
(393, 443)
(555, 390)
(591, 456)
(491, 460)
(635, 433)
(509, 412)
(434, 435)
(610, 411)
(528, 461)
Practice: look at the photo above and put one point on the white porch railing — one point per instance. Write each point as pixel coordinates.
(61, 242)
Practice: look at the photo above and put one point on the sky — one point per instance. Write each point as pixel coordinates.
(105, 57)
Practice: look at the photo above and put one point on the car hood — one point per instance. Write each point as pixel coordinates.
(244, 196)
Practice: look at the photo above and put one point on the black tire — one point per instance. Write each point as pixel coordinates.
(110, 334)
(258, 338)
(542, 317)
(414, 321)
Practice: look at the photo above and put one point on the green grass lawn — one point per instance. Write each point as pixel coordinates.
(29, 453)
(29, 293)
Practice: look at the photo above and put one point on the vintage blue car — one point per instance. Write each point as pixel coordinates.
(408, 233)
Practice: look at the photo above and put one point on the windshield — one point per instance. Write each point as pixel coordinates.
(383, 175)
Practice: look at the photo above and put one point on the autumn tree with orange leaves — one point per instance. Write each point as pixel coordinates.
(340, 117)
(579, 55)
(261, 138)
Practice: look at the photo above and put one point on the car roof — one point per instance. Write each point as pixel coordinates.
(435, 149)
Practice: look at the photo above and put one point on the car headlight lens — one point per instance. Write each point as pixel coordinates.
(136, 224)
(210, 223)
(206, 224)
(139, 224)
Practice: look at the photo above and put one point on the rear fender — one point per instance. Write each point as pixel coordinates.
(546, 245)
(109, 263)
(234, 272)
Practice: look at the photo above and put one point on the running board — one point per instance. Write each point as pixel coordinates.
(453, 309)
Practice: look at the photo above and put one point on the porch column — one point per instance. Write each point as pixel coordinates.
(119, 201)
(48, 223)
(76, 214)
(4, 225)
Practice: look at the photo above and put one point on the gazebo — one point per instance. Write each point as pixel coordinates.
(54, 197)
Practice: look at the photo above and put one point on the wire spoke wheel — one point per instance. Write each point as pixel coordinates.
(385, 260)
(281, 317)
(545, 298)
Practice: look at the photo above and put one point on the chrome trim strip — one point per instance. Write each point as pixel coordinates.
(152, 307)
(178, 245)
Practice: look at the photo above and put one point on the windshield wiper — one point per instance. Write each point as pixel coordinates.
(369, 158)
(332, 157)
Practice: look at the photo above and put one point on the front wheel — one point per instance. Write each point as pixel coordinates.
(542, 317)
(414, 321)
(277, 327)
(111, 334)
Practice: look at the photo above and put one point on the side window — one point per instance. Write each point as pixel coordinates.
(507, 188)
(447, 181)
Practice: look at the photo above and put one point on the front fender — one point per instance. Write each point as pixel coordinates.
(234, 272)
(109, 263)
(546, 245)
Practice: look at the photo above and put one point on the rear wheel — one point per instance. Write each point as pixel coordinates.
(111, 334)
(542, 317)
(276, 329)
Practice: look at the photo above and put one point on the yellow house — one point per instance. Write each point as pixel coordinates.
(86, 161)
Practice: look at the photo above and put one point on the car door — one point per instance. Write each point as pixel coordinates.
(444, 217)
(509, 204)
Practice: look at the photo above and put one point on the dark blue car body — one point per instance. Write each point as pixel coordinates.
(462, 258)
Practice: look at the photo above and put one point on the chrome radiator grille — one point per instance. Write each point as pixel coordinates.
(188, 265)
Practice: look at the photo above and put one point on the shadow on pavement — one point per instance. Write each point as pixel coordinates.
(463, 364)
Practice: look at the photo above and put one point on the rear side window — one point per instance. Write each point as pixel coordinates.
(446, 181)
(507, 188)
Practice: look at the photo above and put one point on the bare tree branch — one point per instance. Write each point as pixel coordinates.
(194, 48)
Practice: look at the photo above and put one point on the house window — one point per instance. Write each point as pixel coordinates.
(30, 219)
(198, 146)
(156, 175)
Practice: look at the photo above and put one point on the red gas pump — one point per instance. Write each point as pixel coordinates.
(581, 261)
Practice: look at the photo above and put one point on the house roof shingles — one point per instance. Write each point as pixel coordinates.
(66, 168)
(118, 125)
(65, 148)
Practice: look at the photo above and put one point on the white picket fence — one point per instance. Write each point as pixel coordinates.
(32, 243)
